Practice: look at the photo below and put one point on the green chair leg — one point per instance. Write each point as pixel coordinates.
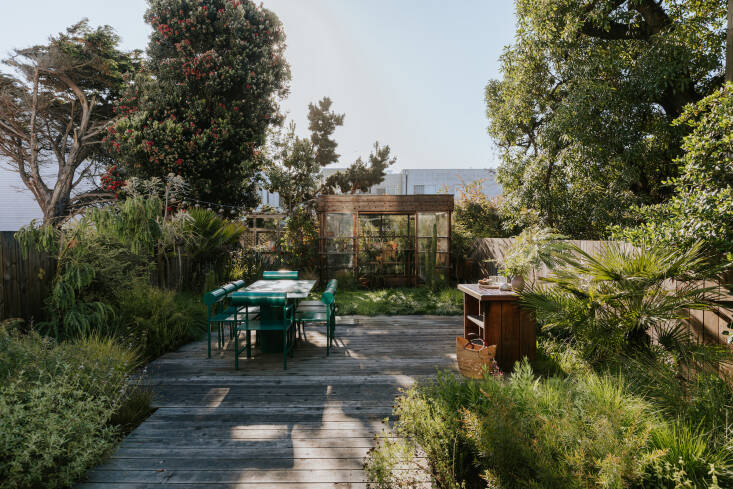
(249, 344)
(208, 337)
(236, 350)
(285, 350)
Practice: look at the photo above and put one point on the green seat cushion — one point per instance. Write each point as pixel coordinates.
(311, 316)
(225, 317)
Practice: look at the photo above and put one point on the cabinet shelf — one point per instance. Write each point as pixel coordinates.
(477, 320)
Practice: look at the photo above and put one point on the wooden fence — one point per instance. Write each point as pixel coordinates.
(24, 283)
(708, 326)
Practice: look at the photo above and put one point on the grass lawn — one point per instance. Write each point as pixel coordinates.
(400, 301)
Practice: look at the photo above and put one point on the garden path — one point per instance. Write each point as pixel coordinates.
(309, 427)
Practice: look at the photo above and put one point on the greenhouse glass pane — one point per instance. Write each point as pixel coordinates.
(339, 225)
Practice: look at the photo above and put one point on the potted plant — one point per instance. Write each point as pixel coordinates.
(532, 248)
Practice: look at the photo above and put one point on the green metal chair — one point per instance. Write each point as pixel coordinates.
(275, 315)
(325, 314)
(330, 287)
(280, 275)
(222, 313)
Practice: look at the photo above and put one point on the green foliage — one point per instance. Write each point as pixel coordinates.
(102, 253)
(583, 115)
(477, 215)
(580, 432)
(322, 122)
(360, 177)
(105, 258)
(209, 241)
(399, 301)
(300, 241)
(701, 207)
(58, 97)
(614, 300)
(534, 247)
(157, 321)
(295, 167)
(208, 92)
(56, 403)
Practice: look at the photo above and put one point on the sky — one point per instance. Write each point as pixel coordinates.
(407, 73)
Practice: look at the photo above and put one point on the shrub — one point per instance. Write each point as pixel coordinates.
(701, 205)
(613, 301)
(56, 402)
(158, 321)
(575, 432)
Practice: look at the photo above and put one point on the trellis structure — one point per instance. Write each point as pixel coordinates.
(385, 239)
(264, 231)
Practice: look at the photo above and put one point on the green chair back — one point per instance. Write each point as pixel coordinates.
(327, 298)
(211, 298)
(280, 275)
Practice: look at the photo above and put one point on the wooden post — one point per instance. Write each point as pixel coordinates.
(355, 234)
(450, 237)
(416, 274)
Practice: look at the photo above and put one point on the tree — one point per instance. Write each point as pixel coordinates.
(478, 216)
(322, 122)
(359, 177)
(295, 163)
(583, 114)
(202, 103)
(701, 207)
(54, 109)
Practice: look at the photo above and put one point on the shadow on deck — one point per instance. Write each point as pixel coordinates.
(309, 427)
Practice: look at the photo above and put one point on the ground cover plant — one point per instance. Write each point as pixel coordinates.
(63, 406)
(400, 301)
(623, 396)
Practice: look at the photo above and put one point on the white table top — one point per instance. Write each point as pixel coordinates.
(295, 289)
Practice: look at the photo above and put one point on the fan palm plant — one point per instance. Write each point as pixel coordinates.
(211, 238)
(625, 298)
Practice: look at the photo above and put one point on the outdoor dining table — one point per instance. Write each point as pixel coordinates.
(295, 290)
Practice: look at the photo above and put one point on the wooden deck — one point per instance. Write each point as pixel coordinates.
(309, 427)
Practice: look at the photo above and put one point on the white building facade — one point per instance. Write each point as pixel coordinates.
(433, 181)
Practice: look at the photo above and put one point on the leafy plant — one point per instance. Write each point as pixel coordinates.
(207, 93)
(583, 112)
(157, 321)
(578, 432)
(701, 206)
(531, 248)
(618, 298)
(56, 406)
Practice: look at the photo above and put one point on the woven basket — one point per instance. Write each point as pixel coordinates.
(472, 355)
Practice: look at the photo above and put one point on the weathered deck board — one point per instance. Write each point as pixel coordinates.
(309, 427)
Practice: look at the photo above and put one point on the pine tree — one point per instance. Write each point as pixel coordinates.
(360, 177)
(201, 106)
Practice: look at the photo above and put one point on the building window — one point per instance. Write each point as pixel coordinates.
(418, 189)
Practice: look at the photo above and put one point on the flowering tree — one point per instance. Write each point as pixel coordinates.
(55, 104)
(202, 102)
